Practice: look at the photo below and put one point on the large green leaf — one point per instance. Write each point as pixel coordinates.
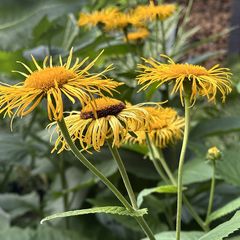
(18, 20)
(15, 233)
(196, 170)
(229, 168)
(16, 205)
(184, 235)
(228, 208)
(215, 127)
(160, 189)
(43, 232)
(223, 230)
(109, 209)
(4, 220)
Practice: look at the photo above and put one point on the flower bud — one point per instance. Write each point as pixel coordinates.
(213, 154)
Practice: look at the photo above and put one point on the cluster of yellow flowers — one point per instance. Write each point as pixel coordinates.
(111, 18)
(104, 117)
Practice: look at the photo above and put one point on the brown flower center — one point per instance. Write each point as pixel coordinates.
(102, 107)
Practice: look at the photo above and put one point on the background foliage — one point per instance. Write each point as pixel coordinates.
(35, 183)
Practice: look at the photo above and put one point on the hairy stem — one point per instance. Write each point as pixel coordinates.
(212, 190)
(160, 157)
(180, 166)
(129, 189)
(97, 173)
(155, 162)
(91, 167)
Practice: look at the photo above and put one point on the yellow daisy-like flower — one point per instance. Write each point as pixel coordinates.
(200, 81)
(166, 127)
(141, 33)
(52, 82)
(123, 20)
(150, 12)
(98, 17)
(102, 119)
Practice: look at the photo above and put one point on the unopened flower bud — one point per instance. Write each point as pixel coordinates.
(214, 154)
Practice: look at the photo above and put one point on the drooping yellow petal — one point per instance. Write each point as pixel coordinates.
(102, 119)
(201, 81)
(52, 82)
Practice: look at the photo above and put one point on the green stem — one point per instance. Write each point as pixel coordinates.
(123, 173)
(92, 168)
(180, 167)
(165, 167)
(212, 190)
(96, 172)
(64, 186)
(194, 214)
(129, 189)
(164, 49)
(154, 160)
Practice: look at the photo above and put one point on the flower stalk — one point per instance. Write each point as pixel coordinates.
(97, 173)
(129, 188)
(159, 156)
(181, 162)
(153, 158)
(212, 190)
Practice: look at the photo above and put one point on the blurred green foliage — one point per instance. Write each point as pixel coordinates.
(35, 183)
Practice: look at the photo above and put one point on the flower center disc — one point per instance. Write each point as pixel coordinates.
(49, 77)
(189, 69)
(103, 108)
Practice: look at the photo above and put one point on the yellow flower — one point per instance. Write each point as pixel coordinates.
(150, 12)
(137, 35)
(102, 119)
(201, 81)
(52, 82)
(123, 20)
(98, 17)
(166, 127)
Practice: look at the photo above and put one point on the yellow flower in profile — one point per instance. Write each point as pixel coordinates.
(123, 20)
(98, 17)
(139, 34)
(151, 12)
(102, 119)
(166, 127)
(52, 82)
(197, 79)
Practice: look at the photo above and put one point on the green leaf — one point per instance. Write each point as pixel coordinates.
(224, 229)
(18, 21)
(228, 169)
(216, 126)
(192, 169)
(160, 189)
(4, 220)
(194, 235)
(8, 61)
(16, 205)
(109, 209)
(16, 233)
(228, 208)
